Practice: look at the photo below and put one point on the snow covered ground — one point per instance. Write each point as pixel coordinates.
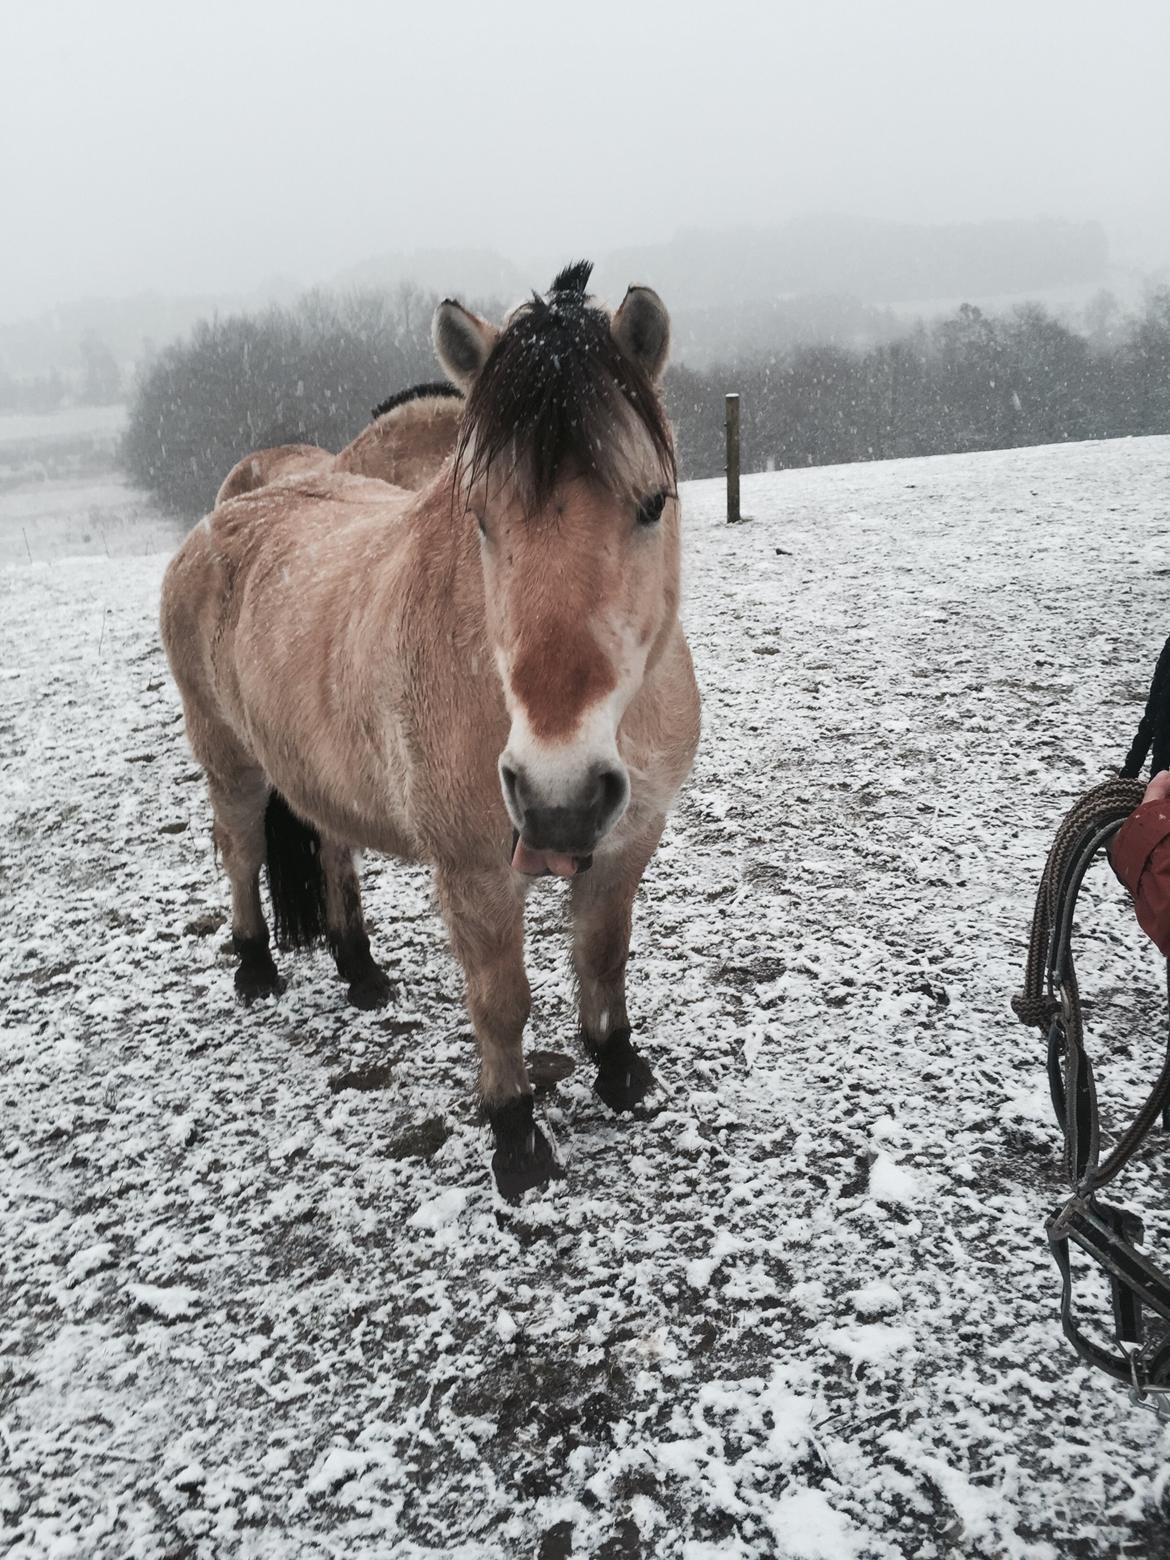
(258, 1296)
(44, 521)
(72, 422)
(74, 441)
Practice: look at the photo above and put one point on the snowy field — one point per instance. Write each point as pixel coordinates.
(80, 423)
(74, 441)
(258, 1297)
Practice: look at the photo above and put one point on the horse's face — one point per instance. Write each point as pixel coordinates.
(578, 600)
(581, 583)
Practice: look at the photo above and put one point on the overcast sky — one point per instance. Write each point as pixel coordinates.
(207, 146)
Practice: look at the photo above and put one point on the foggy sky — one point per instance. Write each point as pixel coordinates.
(212, 146)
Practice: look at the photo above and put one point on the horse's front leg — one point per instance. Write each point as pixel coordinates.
(602, 905)
(485, 914)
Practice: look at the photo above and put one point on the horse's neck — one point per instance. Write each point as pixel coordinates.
(445, 565)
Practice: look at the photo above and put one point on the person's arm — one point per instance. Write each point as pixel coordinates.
(1140, 854)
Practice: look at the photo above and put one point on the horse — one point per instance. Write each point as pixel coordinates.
(488, 675)
(271, 465)
(409, 438)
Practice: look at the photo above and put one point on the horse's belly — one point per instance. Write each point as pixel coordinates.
(350, 790)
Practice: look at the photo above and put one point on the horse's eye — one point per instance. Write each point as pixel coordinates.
(650, 509)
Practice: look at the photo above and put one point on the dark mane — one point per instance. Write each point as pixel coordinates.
(557, 391)
(439, 387)
(574, 278)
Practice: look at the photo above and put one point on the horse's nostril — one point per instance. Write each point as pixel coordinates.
(511, 783)
(611, 791)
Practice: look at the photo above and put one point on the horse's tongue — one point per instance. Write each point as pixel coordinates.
(535, 863)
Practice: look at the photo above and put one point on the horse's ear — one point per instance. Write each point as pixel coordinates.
(462, 342)
(642, 329)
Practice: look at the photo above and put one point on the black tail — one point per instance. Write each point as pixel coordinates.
(295, 879)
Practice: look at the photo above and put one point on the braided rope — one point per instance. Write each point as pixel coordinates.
(1050, 1001)
(1106, 803)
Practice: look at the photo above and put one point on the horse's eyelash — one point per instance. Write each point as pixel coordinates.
(658, 501)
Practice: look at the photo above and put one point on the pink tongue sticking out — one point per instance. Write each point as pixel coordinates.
(535, 863)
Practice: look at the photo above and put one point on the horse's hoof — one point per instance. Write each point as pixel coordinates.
(524, 1157)
(371, 990)
(255, 980)
(256, 975)
(625, 1081)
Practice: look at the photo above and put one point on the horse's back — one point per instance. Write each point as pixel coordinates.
(286, 524)
(277, 643)
(263, 466)
(273, 567)
(407, 444)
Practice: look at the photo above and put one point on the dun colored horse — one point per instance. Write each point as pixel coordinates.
(411, 436)
(488, 675)
(409, 439)
(271, 465)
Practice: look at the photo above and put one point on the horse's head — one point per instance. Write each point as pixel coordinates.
(566, 462)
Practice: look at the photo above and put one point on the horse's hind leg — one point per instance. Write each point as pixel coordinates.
(369, 985)
(602, 908)
(238, 807)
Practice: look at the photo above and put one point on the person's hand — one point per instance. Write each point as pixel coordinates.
(1159, 787)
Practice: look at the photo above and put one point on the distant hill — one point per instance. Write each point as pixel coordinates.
(827, 279)
(131, 327)
(478, 274)
(871, 261)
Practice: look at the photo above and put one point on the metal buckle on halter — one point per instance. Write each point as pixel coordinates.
(1155, 1400)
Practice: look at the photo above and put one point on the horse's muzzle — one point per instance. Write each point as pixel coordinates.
(573, 825)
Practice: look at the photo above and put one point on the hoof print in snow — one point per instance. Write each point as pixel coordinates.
(420, 1142)
(548, 1068)
(625, 1081)
(524, 1158)
(556, 1543)
(364, 1079)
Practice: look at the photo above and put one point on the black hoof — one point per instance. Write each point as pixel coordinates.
(257, 976)
(371, 990)
(523, 1158)
(369, 985)
(624, 1080)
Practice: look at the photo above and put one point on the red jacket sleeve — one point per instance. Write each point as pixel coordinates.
(1140, 854)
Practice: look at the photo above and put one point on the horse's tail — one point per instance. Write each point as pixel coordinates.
(295, 879)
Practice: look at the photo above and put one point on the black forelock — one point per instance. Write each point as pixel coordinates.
(558, 391)
(574, 278)
(439, 388)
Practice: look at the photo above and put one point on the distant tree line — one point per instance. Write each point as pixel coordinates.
(310, 374)
(99, 382)
(972, 381)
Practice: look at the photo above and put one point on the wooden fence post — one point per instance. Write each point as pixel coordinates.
(733, 514)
